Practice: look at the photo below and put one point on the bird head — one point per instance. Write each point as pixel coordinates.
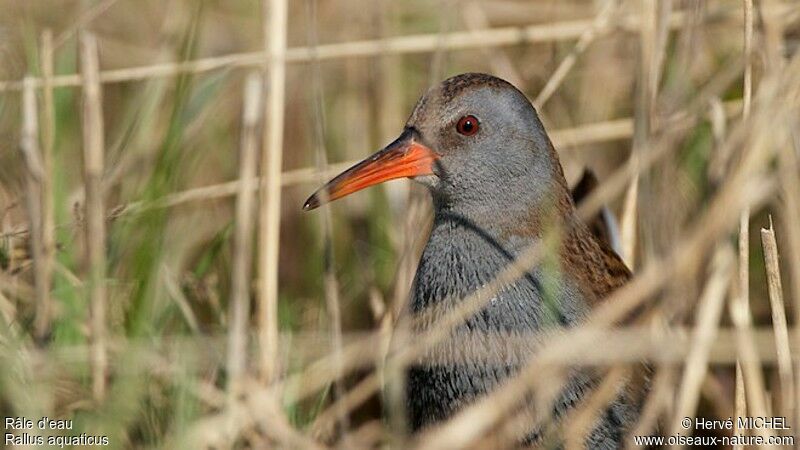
(473, 140)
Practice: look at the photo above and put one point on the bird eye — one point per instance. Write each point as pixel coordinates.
(467, 125)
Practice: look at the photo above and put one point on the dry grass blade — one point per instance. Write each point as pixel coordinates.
(777, 306)
(93, 163)
(750, 361)
(243, 235)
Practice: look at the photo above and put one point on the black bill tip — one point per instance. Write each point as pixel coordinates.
(312, 203)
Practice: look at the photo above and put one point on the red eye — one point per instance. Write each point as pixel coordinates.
(467, 125)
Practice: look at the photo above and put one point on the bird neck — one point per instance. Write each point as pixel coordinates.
(517, 208)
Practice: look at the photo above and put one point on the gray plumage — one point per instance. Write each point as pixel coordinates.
(495, 194)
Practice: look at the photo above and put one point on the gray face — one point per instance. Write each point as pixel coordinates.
(507, 158)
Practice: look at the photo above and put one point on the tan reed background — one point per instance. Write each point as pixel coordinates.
(160, 285)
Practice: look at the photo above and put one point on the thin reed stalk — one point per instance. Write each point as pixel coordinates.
(48, 131)
(743, 297)
(275, 28)
(779, 323)
(93, 166)
(243, 234)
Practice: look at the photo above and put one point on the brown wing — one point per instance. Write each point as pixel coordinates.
(595, 266)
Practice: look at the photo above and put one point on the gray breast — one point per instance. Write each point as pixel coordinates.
(461, 257)
(492, 345)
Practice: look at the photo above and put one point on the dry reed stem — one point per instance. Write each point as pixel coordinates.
(47, 127)
(653, 36)
(744, 220)
(641, 129)
(748, 55)
(275, 28)
(243, 234)
(600, 25)
(93, 156)
(777, 306)
(422, 43)
(750, 361)
(709, 312)
(34, 178)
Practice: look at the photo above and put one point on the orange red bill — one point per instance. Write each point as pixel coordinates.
(402, 158)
